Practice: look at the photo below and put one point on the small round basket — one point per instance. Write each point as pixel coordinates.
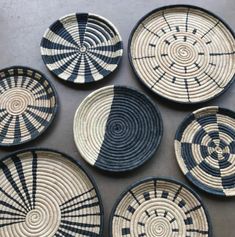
(81, 48)
(205, 149)
(159, 207)
(28, 104)
(46, 193)
(183, 53)
(117, 128)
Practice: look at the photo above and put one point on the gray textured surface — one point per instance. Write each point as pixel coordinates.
(22, 24)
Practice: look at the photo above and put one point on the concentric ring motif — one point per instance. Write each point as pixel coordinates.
(44, 193)
(27, 105)
(183, 53)
(81, 47)
(117, 128)
(160, 208)
(205, 149)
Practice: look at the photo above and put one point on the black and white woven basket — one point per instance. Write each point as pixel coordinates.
(117, 128)
(28, 104)
(159, 207)
(183, 53)
(81, 48)
(46, 193)
(205, 149)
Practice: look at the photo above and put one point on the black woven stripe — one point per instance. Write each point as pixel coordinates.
(19, 168)
(82, 26)
(66, 35)
(9, 177)
(48, 44)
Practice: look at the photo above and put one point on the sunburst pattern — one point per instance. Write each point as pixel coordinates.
(45, 193)
(81, 48)
(27, 105)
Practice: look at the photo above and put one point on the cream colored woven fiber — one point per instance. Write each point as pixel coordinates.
(184, 54)
(157, 207)
(46, 194)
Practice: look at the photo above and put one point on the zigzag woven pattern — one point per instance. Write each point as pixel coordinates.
(81, 48)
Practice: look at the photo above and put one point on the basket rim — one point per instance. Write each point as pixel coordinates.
(151, 178)
(160, 135)
(77, 163)
(55, 110)
(169, 7)
(89, 14)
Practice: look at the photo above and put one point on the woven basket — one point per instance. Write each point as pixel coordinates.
(183, 53)
(28, 104)
(117, 128)
(81, 48)
(159, 207)
(45, 193)
(205, 146)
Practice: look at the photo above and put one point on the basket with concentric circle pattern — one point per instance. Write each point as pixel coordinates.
(161, 208)
(117, 128)
(183, 53)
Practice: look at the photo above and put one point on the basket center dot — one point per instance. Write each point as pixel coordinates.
(117, 127)
(82, 49)
(33, 218)
(219, 150)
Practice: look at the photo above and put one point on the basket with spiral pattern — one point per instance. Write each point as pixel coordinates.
(81, 48)
(183, 53)
(28, 104)
(45, 193)
(117, 128)
(205, 149)
(159, 207)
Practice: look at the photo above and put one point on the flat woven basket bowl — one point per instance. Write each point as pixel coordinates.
(28, 104)
(159, 207)
(46, 193)
(117, 128)
(81, 48)
(183, 53)
(205, 149)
